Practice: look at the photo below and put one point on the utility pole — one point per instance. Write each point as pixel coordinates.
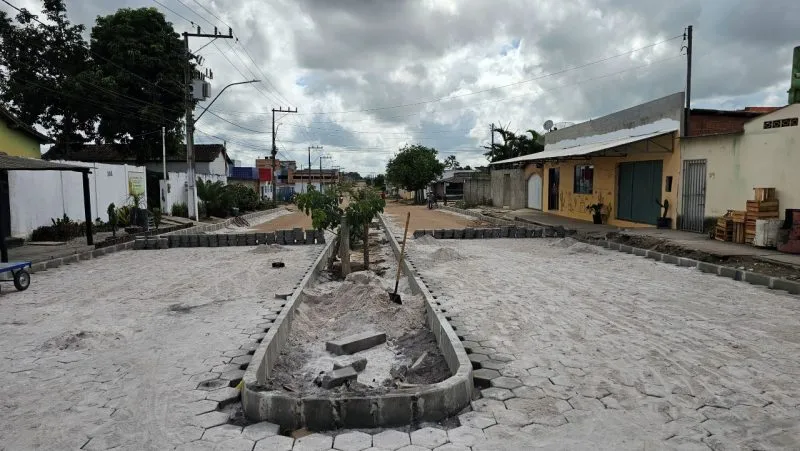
(164, 163)
(189, 106)
(310, 148)
(492, 130)
(687, 36)
(275, 151)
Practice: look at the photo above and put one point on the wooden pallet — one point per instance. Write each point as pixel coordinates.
(738, 216)
(738, 232)
(758, 206)
(724, 229)
(764, 194)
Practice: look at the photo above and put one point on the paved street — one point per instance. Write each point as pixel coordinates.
(587, 348)
(110, 353)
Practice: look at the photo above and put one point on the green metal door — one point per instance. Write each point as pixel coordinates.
(639, 191)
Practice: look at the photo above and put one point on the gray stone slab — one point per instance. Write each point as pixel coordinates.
(193, 241)
(438, 234)
(261, 237)
(480, 233)
(418, 234)
(202, 240)
(139, 244)
(320, 237)
(250, 239)
(448, 234)
(786, 285)
(505, 232)
(538, 232)
(758, 279)
(391, 440)
(311, 236)
(339, 377)
(352, 441)
(666, 258)
(270, 237)
(469, 233)
(653, 255)
(213, 240)
(708, 267)
(163, 243)
(687, 262)
(279, 237)
(727, 271)
(174, 240)
(458, 234)
(358, 363)
(549, 232)
(299, 235)
(639, 251)
(355, 343)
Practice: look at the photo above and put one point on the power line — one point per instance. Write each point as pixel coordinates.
(173, 11)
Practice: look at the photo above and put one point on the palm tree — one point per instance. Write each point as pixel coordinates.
(210, 193)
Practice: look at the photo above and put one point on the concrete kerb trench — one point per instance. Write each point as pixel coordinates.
(202, 228)
(401, 407)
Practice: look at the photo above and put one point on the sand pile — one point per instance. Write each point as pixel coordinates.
(444, 254)
(427, 240)
(574, 246)
(268, 249)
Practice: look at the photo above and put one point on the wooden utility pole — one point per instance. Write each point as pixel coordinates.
(275, 152)
(344, 246)
(189, 107)
(310, 148)
(687, 36)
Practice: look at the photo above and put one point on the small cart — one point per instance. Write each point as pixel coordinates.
(22, 278)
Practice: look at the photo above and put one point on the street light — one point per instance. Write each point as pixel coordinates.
(220, 93)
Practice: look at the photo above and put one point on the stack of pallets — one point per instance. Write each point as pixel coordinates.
(765, 206)
(724, 229)
(739, 217)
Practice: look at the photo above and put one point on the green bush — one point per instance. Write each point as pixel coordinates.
(180, 209)
(61, 229)
(266, 205)
(240, 196)
(460, 204)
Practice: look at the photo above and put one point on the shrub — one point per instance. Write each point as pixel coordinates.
(61, 229)
(156, 217)
(460, 204)
(240, 196)
(123, 215)
(180, 209)
(266, 205)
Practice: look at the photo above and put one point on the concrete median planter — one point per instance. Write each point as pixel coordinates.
(426, 403)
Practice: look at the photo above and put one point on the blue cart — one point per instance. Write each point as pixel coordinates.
(22, 278)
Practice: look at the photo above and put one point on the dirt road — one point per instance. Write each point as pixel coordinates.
(422, 218)
(290, 221)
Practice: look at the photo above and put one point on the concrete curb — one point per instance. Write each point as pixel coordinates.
(515, 232)
(754, 278)
(482, 217)
(198, 229)
(290, 237)
(77, 257)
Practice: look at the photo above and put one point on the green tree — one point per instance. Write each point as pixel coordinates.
(451, 162)
(142, 59)
(212, 195)
(513, 145)
(379, 182)
(48, 78)
(414, 167)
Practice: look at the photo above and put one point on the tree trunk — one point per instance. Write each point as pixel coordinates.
(366, 246)
(344, 247)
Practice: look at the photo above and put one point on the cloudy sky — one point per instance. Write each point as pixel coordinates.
(369, 76)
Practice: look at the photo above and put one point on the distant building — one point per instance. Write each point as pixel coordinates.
(19, 139)
(283, 179)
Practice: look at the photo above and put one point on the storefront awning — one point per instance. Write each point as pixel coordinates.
(585, 149)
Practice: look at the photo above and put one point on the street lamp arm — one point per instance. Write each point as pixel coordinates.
(220, 93)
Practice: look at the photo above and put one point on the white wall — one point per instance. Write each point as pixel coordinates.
(38, 196)
(735, 164)
(178, 190)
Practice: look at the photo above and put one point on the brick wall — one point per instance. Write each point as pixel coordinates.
(716, 124)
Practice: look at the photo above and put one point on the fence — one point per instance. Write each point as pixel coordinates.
(478, 191)
(177, 189)
(38, 196)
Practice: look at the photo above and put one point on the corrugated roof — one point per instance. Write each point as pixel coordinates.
(585, 149)
(17, 123)
(10, 163)
(122, 153)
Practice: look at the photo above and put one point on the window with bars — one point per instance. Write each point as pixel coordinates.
(584, 178)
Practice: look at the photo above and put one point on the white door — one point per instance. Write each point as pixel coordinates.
(535, 192)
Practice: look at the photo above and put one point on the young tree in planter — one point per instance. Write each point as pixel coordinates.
(414, 168)
(364, 205)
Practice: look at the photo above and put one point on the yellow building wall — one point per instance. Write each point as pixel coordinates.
(604, 185)
(18, 144)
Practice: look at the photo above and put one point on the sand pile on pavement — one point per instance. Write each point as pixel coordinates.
(445, 254)
(427, 240)
(574, 246)
(268, 249)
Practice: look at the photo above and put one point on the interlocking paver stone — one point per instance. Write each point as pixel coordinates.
(484, 375)
(235, 444)
(492, 364)
(452, 447)
(222, 432)
(198, 445)
(506, 382)
(352, 441)
(429, 437)
(465, 435)
(414, 448)
(274, 443)
(260, 430)
(487, 405)
(211, 419)
(313, 442)
(500, 394)
(528, 392)
(391, 439)
(477, 420)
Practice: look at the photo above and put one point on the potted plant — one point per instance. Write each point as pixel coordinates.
(597, 212)
(663, 222)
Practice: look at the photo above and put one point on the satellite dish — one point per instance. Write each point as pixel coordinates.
(548, 125)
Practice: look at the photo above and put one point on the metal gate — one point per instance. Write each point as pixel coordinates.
(693, 198)
(535, 192)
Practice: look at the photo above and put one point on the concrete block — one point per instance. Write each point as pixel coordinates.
(538, 232)
(310, 236)
(174, 240)
(448, 234)
(139, 243)
(654, 255)
(727, 271)
(469, 233)
(519, 233)
(666, 258)
(163, 243)
(613, 246)
(339, 377)
(279, 237)
(270, 237)
(505, 232)
(320, 237)
(261, 237)
(639, 251)
(708, 267)
(528, 232)
(787, 285)
(250, 239)
(98, 252)
(183, 240)
(193, 240)
(438, 234)
(429, 232)
(687, 262)
(549, 232)
(69, 259)
(358, 363)
(202, 240)
(53, 263)
(213, 240)
(418, 233)
(299, 235)
(458, 234)
(758, 279)
(480, 233)
(355, 343)
(625, 248)
(497, 233)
